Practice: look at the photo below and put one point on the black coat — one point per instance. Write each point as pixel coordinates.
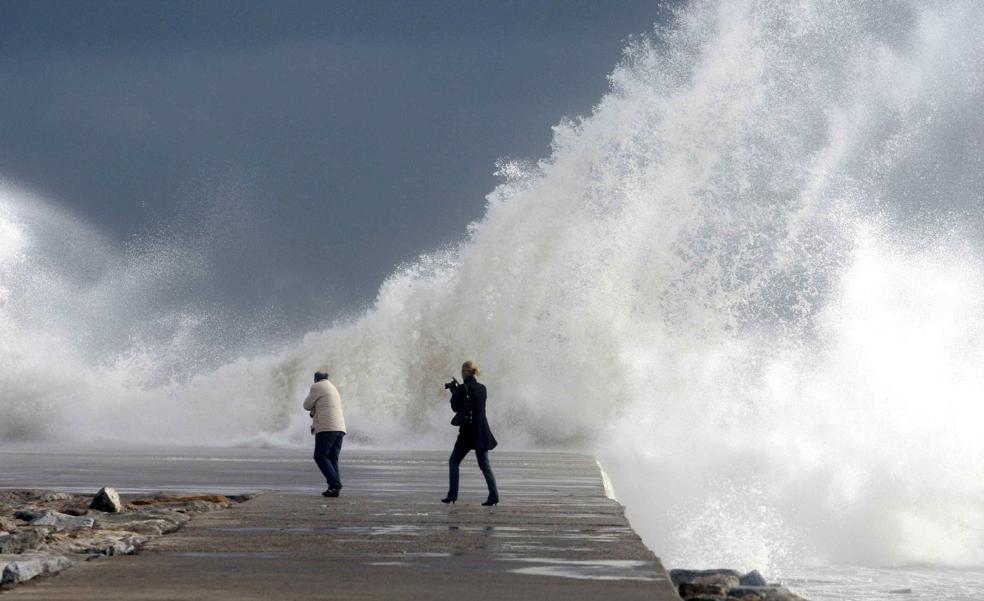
(476, 435)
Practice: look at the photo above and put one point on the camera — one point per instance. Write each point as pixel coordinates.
(452, 385)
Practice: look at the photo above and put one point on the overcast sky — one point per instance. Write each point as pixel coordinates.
(331, 140)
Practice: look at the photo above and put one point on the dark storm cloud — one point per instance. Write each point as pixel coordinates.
(333, 139)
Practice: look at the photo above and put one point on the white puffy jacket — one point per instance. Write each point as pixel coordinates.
(327, 405)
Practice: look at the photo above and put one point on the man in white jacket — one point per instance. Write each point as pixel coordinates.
(325, 405)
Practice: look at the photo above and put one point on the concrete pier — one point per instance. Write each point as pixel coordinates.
(554, 536)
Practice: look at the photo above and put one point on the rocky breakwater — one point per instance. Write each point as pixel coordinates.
(43, 532)
(728, 585)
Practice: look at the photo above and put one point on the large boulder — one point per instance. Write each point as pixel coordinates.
(107, 500)
(62, 520)
(21, 568)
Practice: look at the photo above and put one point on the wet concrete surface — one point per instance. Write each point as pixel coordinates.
(555, 534)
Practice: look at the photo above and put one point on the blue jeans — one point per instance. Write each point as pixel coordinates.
(327, 447)
(482, 455)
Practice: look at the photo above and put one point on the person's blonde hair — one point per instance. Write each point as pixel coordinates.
(471, 368)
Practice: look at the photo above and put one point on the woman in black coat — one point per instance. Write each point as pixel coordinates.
(470, 397)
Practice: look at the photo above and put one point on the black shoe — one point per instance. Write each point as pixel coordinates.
(331, 492)
(490, 503)
(447, 500)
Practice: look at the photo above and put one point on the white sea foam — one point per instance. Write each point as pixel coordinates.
(744, 282)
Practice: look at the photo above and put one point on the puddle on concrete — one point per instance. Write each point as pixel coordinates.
(597, 569)
(404, 529)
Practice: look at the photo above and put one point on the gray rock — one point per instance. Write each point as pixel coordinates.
(21, 497)
(243, 497)
(108, 500)
(781, 594)
(198, 506)
(725, 581)
(21, 568)
(184, 501)
(759, 591)
(753, 578)
(19, 541)
(99, 542)
(689, 590)
(62, 520)
(174, 517)
(7, 524)
(771, 592)
(48, 496)
(154, 527)
(680, 576)
(169, 520)
(29, 514)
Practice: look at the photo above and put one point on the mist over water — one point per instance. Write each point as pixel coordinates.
(750, 283)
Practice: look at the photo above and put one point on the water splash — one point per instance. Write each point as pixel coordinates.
(748, 282)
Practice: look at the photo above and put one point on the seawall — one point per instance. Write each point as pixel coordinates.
(555, 534)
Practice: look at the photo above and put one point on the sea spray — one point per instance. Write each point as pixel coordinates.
(748, 282)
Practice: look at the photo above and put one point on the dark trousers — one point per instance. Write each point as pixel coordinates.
(327, 447)
(482, 455)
